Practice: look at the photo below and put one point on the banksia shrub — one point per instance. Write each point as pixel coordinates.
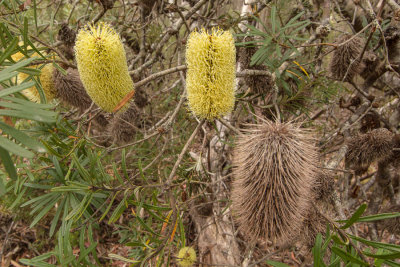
(210, 79)
(363, 149)
(186, 257)
(45, 79)
(344, 55)
(102, 66)
(274, 172)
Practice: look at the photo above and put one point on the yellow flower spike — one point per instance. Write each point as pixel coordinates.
(186, 257)
(46, 79)
(210, 79)
(102, 67)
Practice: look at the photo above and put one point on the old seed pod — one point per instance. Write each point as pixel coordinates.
(344, 63)
(363, 149)
(210, 80)
(274, 171)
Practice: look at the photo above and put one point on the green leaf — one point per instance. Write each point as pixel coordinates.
(389, 256)
(118, 257)
(379, 217)
(277, 264)
(357, 214)
(44, 212)
(27, 115)
(8, 163)
(347, 256)
(56, 217)
(86, 252)
(118, 211)
(15, 89)
(14, 148)
(9, 49)
(22, 138)
(316, 250)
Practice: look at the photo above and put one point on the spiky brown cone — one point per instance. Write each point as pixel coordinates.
(259, 84)
(123, 125)
(313, 224)
(324, 185)
(363, 149)
(70, 90)
(274, 171)
(344, 55)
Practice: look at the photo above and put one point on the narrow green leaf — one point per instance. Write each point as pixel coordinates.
(14, 148)
(108, 207)
(56, 217)
(118, 257)
(389, 256)
(357, 214)
(22, 138)
(347, 256)
(8, 163)
(277, 264)
(86, 252)
(9, 49)
(15, 89)
(43, 212)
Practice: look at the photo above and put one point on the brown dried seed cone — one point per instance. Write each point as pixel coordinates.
(313, 224)
(259, 84)
(274, 170)
(363, 149)
(324, 185)
(70, 90)
(123, 125)
(344, 55)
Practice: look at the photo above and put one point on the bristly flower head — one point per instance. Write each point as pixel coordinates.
(275, 166)
(101, 61)
(186, 257)
(210, 79)
(46, 79)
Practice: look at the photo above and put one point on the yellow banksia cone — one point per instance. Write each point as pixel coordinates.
(101, 61)
(46, 79)
(210, 80)
(186, 257)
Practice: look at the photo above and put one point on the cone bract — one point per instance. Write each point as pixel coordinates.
(210, 80)
(101, 61)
